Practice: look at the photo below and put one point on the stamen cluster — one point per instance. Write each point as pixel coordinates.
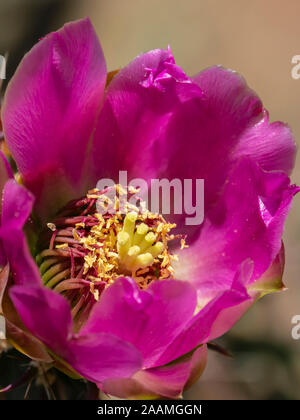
(84, 251)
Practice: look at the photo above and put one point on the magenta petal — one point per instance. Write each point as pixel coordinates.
(270, 281)
(228, 314)
(203, 132)
(5, 172)
(47, 316)
(207, 134)
(170, 380)
(246, 222)
(50, 109)
(16, 207)
(272, 146)
(138, 105)
(5, 175)
(101, 356)
(150, 319)
(165, 381)
(200, 328)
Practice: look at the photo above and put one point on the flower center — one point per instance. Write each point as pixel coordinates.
(84, 250)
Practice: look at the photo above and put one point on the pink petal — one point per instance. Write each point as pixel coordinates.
(150, 319)
(97, 357)
(102, 356)
(49, 113)
(246, 222)
(272, 146)
(165, 381)
(5, 175)
(138, 105)
(16, 208)
(46, 314)
(208, 133)
(5, 172)
(200, 329)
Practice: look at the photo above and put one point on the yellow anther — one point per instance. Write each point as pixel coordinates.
(141, 231)
(147, 241)
(143, 261)
(61, 246)
(156, 249)
(123, 243)
(129, 224)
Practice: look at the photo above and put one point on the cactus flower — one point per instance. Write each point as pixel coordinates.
(122, 300)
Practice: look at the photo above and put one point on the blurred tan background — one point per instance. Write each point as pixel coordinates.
(258, 39)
